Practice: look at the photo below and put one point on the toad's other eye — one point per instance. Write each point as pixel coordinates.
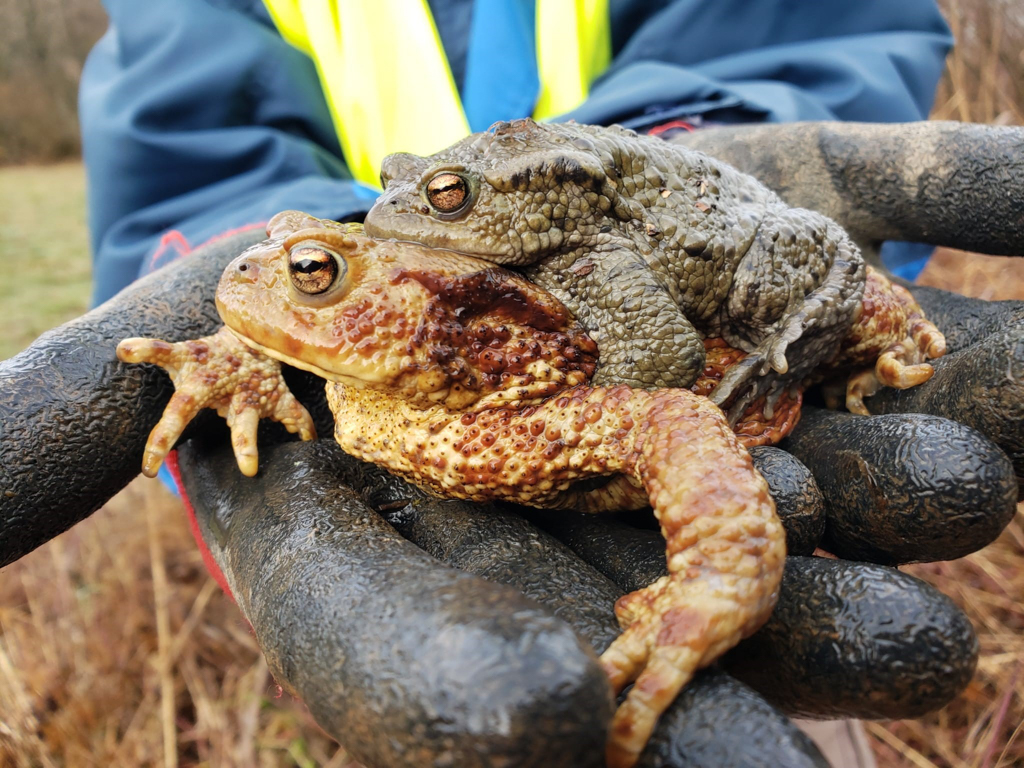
(313, 268)
(447, 192)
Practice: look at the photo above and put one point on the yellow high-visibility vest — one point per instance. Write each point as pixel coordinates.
(387, 80)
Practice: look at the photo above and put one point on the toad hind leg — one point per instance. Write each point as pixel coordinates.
(792, 326)
(725, 549)
(646, 341)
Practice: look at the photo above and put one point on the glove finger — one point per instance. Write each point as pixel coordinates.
(75, 421)
(857, 640)
(403, 659)
(902, 488)
(798, 500)
(491, 541)
(964, 320)
(981, 386)
(967, 180)
(717, 719)
(845, 639)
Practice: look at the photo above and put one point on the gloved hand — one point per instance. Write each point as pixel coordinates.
(943, 183)
(411, 663)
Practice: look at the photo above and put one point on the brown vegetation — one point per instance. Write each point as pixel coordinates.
(117, 649)
(984, 727)
(984, 80)
(43, 44)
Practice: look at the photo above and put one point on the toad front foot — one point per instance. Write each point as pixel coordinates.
(223, 373)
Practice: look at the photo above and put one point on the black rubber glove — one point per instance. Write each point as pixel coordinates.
(347, 625)
(959, 185)
(346, 609)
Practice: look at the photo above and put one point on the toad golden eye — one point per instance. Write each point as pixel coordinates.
(313, 269)
(447, 192)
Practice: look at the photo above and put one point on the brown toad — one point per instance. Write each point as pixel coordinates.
(471, 382)
(653, 246)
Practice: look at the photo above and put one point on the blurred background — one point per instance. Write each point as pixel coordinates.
(113, 638)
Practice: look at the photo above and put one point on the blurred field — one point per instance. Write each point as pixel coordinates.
(44, 247)
(116, 648)
(44, 44)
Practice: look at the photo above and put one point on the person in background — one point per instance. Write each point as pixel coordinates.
(201, 118)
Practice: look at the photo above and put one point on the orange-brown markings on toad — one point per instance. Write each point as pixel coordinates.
(484, 396)
(682, 626)
(890, 341)
(754, 427)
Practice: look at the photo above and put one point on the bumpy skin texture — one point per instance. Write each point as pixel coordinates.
(471, 382)
(652, 246)
(945, 183)
(798, 503)
(82, 429)
(716, 721)
(242, 385)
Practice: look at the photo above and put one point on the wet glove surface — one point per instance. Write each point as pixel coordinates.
(76, 435)
(498, 546)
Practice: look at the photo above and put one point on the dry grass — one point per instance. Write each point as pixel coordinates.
(117, 649)
(984, 727)
(984, 80)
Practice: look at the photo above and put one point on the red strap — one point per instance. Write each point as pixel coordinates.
(211, 565)
(682, 124)
(175, 241)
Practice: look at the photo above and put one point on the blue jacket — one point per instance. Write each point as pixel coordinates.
(198, 118)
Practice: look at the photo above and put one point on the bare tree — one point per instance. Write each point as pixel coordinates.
(43, 45)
